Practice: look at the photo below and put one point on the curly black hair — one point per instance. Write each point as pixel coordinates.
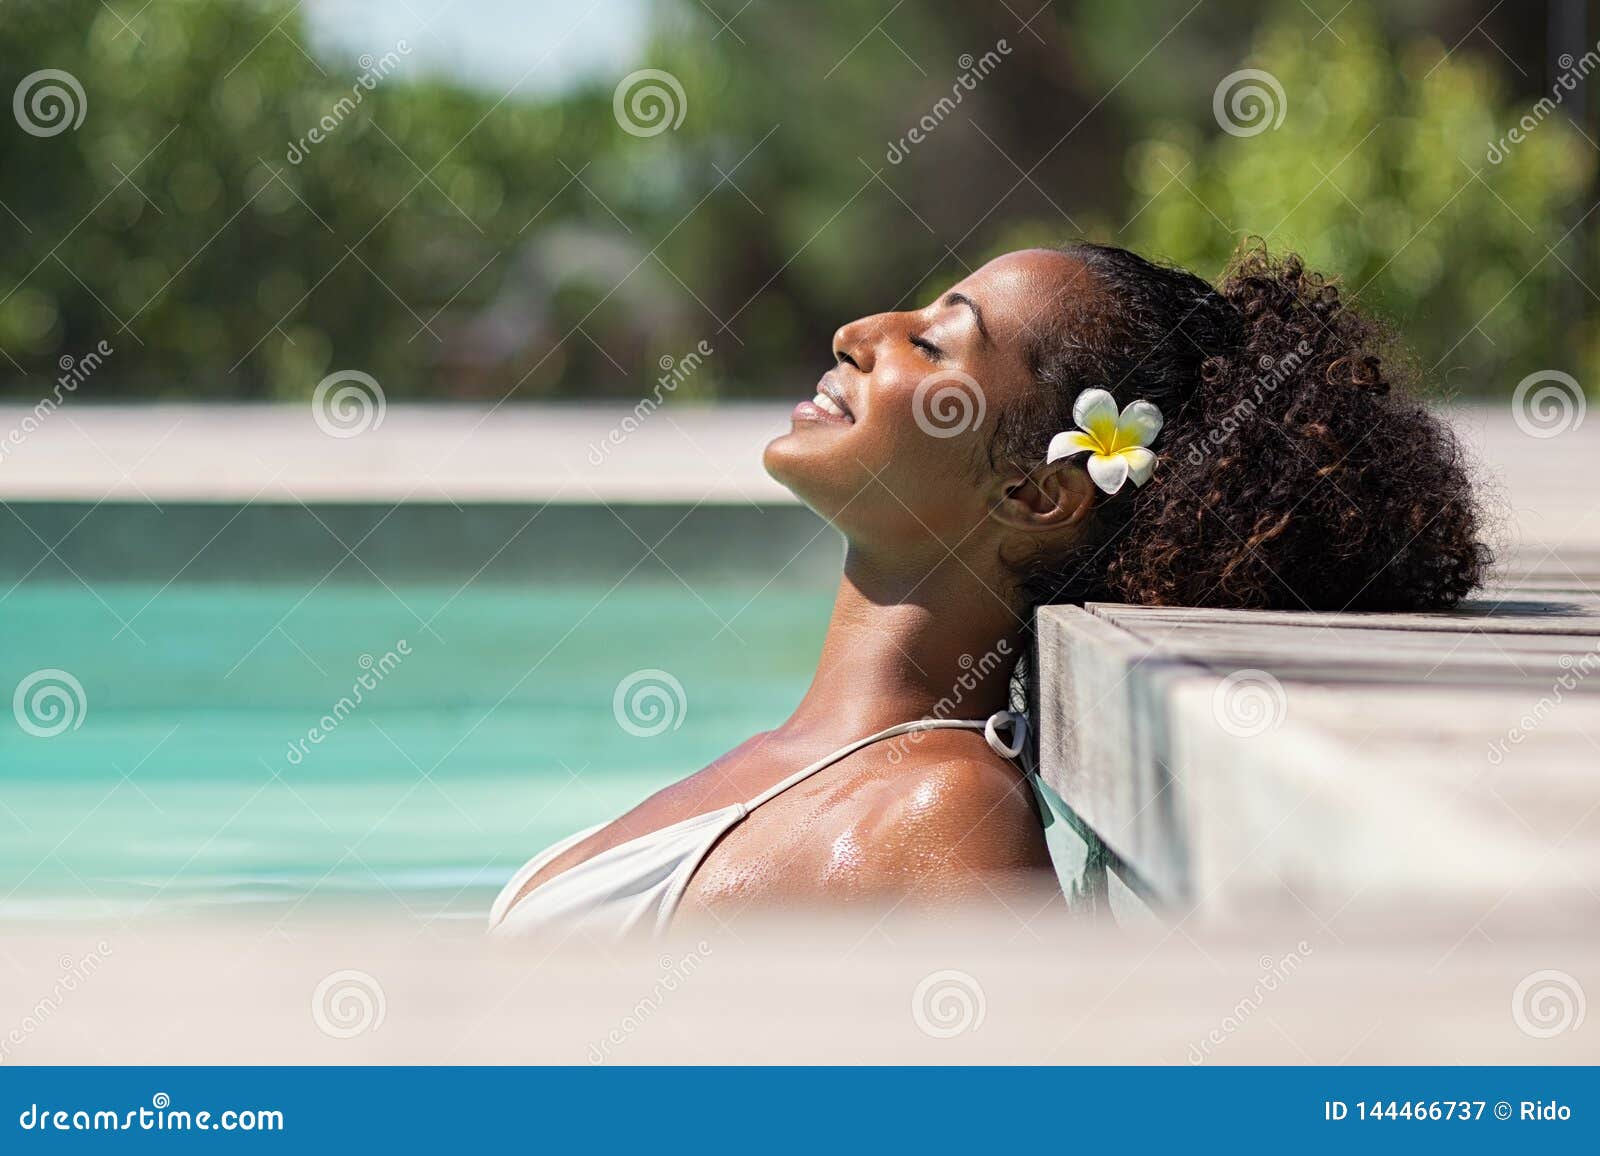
(1295, 469)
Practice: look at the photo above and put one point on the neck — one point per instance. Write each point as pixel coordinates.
(910, 643)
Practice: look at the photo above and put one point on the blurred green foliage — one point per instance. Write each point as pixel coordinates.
(1380, 171)
(173, 223)
(457, 242)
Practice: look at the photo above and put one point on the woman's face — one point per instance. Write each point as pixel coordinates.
(893, 449)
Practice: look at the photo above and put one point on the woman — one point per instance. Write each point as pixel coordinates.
(1250, 454)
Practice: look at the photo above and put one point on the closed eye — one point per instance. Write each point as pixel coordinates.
(931, 351)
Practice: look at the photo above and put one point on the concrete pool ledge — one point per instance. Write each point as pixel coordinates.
(681, 453)
(234, 453)
(572, 493)
(1237, 764)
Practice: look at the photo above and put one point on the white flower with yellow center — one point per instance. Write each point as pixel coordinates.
(1117, 444)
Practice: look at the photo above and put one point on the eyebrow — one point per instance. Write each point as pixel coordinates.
(977, 314)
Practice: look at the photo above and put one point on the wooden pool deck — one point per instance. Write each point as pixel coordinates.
(1232, 764)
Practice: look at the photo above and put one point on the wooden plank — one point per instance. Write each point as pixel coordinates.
(1455, 757)
(1198, 641)
(1506, 610)
(1375, 798)
(1347, 652)
(1096, 712)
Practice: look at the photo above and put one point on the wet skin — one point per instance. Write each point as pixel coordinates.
(924, 615)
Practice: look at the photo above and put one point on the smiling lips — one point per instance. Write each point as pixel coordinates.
(828, 405)
(825, 403)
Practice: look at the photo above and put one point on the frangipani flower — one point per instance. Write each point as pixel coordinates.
(1116, 443)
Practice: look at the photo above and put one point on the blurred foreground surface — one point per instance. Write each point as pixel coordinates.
(992, 987)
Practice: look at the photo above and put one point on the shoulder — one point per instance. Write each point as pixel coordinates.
(949, 814)
(946, 774)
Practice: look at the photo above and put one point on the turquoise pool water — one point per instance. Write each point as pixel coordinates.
(189, 786)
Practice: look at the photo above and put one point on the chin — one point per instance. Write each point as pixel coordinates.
(806, 463)
(785, 459)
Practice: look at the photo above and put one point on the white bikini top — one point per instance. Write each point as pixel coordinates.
(641, 882)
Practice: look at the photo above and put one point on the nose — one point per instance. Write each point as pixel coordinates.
(856, 342)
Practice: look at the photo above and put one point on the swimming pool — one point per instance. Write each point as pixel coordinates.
(191, 781)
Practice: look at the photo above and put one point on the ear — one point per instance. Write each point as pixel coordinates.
(1051, 497)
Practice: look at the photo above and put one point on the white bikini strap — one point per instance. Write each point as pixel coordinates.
(1018, 724)
(1019, 732)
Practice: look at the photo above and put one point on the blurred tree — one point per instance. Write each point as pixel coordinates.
(1390, 167)
(196, 222)
(240, 216)
(458, 243)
